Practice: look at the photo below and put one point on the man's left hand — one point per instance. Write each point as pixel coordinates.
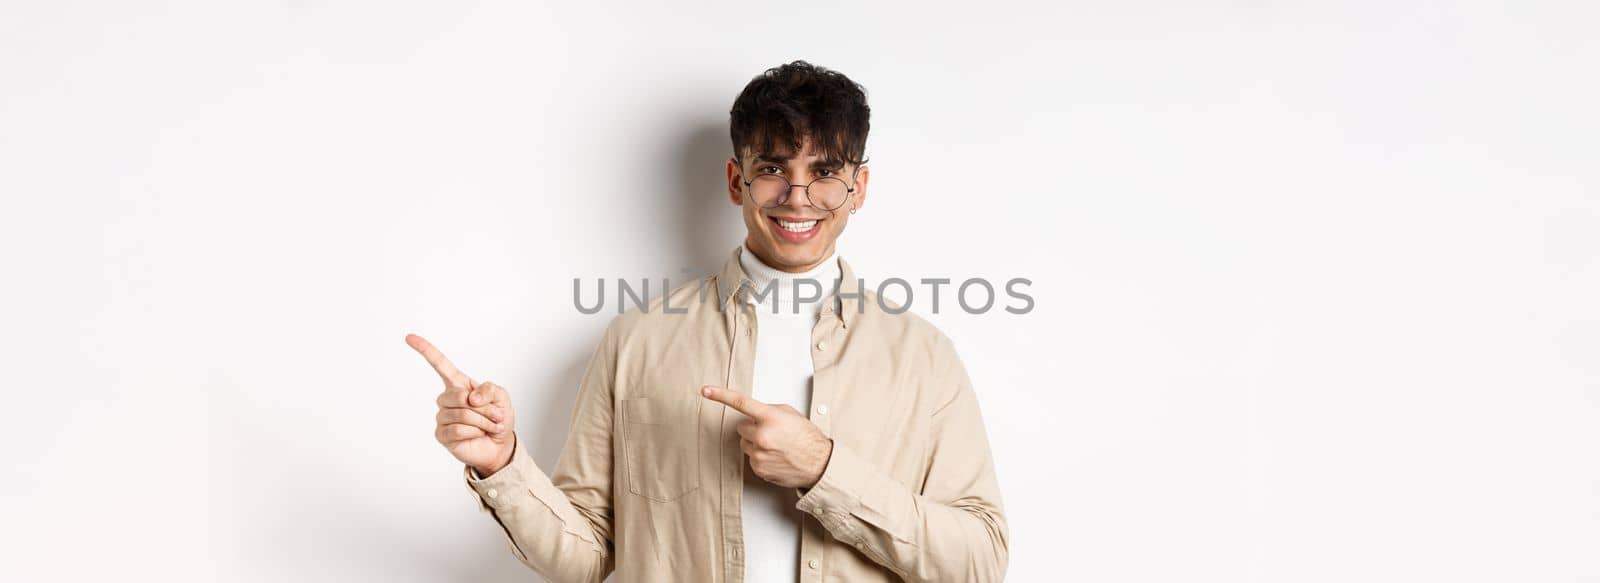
(784, 447)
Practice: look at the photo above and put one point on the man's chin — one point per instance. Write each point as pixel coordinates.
(792, 255)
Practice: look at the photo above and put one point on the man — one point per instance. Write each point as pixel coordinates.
(841, 443)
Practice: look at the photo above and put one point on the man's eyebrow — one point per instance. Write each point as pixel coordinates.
(773, 158)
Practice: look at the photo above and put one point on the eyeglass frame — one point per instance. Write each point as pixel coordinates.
(850, 187)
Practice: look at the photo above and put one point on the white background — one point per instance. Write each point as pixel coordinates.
(1315, 284)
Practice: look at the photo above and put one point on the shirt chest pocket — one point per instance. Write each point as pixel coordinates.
(661, 446)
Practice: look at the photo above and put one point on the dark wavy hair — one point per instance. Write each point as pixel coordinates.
(789, 102)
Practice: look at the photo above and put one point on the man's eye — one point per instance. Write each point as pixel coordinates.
(820, 172)
(766, 168)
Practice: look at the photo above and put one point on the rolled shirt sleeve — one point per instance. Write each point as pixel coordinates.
(561, 525)
(954, 529)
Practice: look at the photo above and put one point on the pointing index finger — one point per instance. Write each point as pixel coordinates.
(436, 359)
(739, 401)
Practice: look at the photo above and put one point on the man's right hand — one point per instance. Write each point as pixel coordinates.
(475, 420)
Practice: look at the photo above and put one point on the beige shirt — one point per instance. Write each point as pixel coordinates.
(650, 479)
(781, 375)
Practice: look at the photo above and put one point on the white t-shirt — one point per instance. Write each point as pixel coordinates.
(782, 375)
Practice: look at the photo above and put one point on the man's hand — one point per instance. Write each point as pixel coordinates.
(475, 420)
(784, 447)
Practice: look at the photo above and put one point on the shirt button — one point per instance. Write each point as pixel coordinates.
(492, 493)
(822, 409)
(823, 345)
(812, 563)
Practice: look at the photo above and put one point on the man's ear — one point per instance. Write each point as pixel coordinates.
(861, 186)
(735, 183)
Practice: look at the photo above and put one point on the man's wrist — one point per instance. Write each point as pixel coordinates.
(827, 457)
(511, 453)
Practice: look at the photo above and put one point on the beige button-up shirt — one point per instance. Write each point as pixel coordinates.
(648, 483)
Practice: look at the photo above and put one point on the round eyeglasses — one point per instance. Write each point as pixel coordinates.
(771, 191)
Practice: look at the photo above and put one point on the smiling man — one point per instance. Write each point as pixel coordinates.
(749, 427)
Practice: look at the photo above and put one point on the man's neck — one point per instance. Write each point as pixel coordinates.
(786, 268)
(783, 285)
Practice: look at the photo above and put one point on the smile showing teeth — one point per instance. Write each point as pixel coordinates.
(799, 227)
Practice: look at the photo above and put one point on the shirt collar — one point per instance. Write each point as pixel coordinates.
(845, 304)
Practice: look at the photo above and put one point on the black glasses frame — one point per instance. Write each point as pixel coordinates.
(849, 190)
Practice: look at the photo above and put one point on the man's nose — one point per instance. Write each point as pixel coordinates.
(798, 199)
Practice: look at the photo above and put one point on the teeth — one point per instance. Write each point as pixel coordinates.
(799, 227)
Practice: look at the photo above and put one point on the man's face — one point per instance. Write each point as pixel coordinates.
(795, 248)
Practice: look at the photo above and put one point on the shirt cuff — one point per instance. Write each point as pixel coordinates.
(504, 488)
(837, 493)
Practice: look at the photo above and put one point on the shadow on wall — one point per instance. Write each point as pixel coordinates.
(705, 228)
(378, 538)
(708, 225)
